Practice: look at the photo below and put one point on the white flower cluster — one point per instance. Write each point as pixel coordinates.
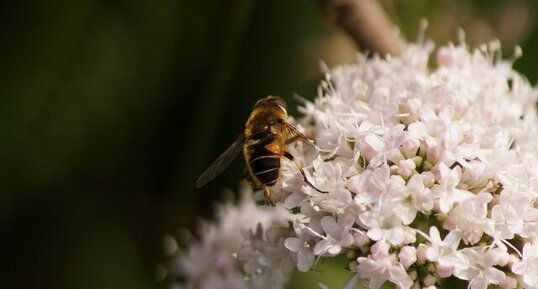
(243, 250)
(430, 173)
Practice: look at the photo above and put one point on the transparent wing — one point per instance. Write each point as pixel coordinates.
(292, 134)
(222, 162)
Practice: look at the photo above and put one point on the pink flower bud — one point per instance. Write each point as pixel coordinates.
(444, 271)
(421, 253)
(429, 280)
(508, 283)
(380, 249)
(381, 95)
(444, 57)
(412, 106)
(409, 145)
(369, 145)
(406, 168)
(360, 239)
(428, 179)
(434, 153)
(407, 256)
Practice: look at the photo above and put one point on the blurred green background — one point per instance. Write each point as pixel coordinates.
(109, 111)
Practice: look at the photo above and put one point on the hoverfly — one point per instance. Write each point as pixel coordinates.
(263, 143)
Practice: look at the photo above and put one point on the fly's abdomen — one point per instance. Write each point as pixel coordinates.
(265, 167)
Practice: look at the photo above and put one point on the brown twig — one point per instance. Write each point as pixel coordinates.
(366, 22)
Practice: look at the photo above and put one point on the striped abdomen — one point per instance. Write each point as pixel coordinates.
(264, 164)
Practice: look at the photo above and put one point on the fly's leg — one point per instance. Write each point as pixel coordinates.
(291, 158)
(267, 196)
(257, 185)
(251, 181)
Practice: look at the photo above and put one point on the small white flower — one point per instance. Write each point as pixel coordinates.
(370, 185)
(338, 236)
(383, 268)
(445, 252)
(474, 174)
(516, 214)
(446, 192)
(526, 269)
(469, 217)
(420, 194)
(387, 223)
(302, 245)
(330, 177)
(481, 271)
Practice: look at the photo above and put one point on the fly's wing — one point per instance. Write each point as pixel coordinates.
(222, 162)
(292, 134)
(309, 149)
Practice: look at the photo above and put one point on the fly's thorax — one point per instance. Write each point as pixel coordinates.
(263, 119)
(271, 101)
